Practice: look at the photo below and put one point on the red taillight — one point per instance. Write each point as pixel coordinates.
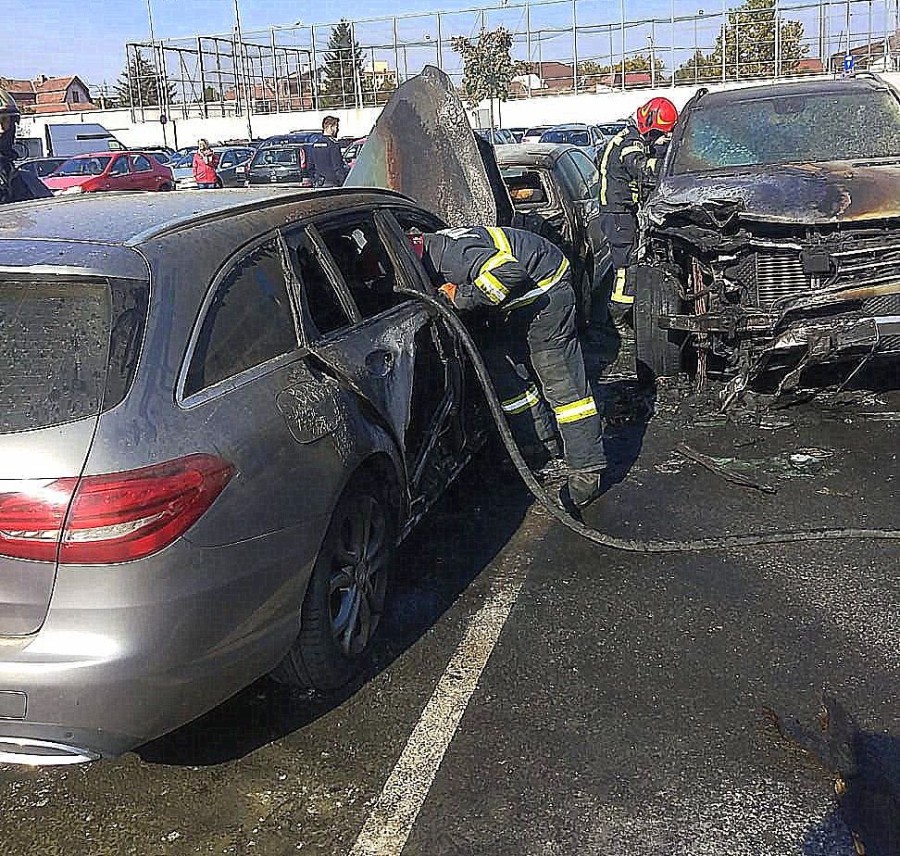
(31, 517)
(113, 518)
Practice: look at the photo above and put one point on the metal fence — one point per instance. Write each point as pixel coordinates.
(564, 45)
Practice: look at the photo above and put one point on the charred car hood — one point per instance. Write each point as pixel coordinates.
(810, 194)
(423, 146)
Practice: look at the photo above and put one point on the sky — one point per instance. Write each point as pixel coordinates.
(53, 38)
(57, 37)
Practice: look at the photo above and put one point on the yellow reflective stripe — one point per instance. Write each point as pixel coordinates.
(542, 287)
(575, 411)
(618, 139)
(651, 164)
(619, 295)
(634, 147)
(522, 402)
(495, 290)
(498, 236)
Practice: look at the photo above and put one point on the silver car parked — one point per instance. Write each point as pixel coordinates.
(218, 419)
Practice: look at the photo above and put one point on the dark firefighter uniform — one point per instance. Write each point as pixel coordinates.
(19, 186)
(626, 165)
(15, 185)
(528, 278)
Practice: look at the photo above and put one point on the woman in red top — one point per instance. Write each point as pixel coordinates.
(204, 166)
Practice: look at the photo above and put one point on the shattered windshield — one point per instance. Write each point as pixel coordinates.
(791, 129)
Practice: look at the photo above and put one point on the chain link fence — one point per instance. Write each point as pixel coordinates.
(563, 46)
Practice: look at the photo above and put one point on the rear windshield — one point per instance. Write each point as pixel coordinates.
(68, 349)
(84, 166)
(281, 157)
(573, 138)
(791, 129)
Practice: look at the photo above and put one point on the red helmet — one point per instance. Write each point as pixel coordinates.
(417, 242)
(658, 114)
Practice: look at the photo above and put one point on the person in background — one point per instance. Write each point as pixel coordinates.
(328, 166)
(15, 185)
(204, 166)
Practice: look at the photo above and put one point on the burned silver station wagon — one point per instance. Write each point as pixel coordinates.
(217, 418)
(772, 241)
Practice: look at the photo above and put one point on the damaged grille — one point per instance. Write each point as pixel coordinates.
(775, 274)
(867, 262)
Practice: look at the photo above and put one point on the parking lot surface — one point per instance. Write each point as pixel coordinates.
(535, 694)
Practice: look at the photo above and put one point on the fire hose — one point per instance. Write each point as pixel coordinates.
(725, 542)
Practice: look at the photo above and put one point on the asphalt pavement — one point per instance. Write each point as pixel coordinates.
(535, 694)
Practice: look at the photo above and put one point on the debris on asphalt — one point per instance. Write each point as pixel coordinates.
(720, 467)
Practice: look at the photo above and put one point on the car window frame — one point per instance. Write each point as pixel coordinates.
(134, 161)
(225, 386)
(116, 160)
(565, 166)
(292, 239)
(591, 189)
(348, 217)
(545, 176)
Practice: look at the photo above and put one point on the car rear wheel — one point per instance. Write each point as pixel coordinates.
(346, 593)
(584, 296)
(165, 187)
(657, 350)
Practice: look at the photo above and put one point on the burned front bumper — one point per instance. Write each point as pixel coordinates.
(844, 333)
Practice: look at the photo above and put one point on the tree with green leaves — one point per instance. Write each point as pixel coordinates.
(488, 67)
(144, 89)
(342, 68)
(591, 73)
(751, 48)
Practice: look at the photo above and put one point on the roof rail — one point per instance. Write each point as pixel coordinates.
(866, 75)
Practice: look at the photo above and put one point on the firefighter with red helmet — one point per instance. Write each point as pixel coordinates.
(626, 166)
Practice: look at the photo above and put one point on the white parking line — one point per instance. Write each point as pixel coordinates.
(391, 820)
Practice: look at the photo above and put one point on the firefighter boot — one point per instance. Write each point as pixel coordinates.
(585, 486)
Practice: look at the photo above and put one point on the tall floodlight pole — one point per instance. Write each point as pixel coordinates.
(574, 46)
(158, 58)
(243, 69)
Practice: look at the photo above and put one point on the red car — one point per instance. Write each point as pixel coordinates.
(109, 171)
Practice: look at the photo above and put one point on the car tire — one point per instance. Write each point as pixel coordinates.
(584, 296)
(346, 593)
(657, 351)
(164, 188)
(219, 184)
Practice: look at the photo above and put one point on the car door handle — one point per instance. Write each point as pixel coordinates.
(379, 363)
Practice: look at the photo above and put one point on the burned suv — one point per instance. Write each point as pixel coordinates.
(771, 240)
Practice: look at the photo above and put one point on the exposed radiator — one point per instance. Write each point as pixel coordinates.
(778, 275)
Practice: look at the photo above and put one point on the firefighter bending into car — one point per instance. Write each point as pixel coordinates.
(528, 280)
(15, 185)
(627, 167)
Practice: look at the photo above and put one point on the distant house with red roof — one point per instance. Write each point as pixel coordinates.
(45, 95)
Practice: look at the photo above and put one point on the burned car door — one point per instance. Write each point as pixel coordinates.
(388, 354)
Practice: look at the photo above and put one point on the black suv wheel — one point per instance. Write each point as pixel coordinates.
(657, 351)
